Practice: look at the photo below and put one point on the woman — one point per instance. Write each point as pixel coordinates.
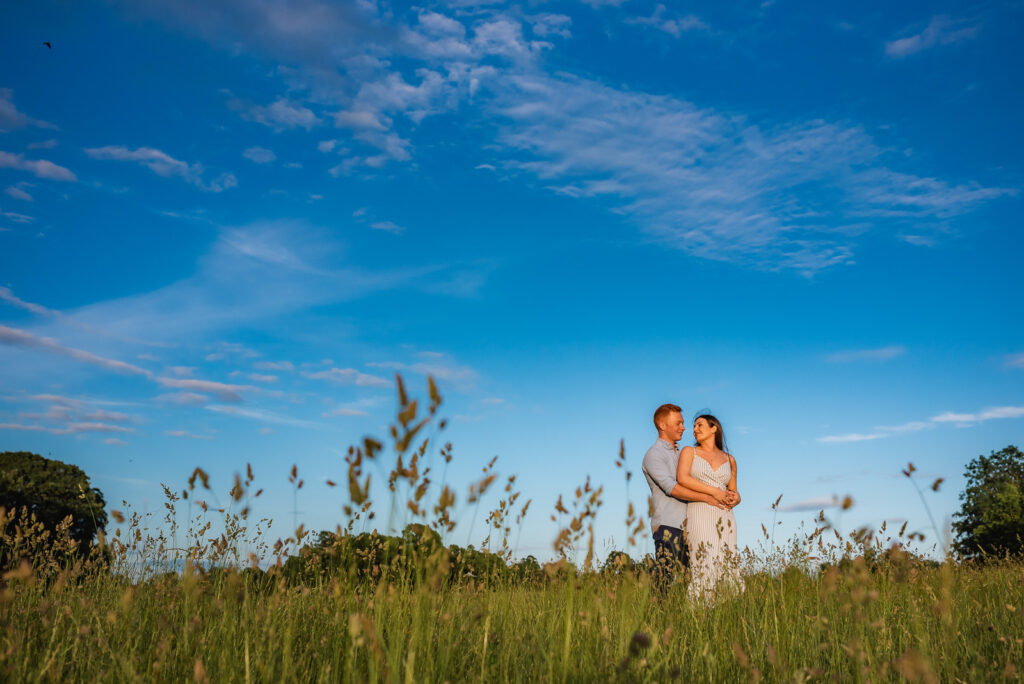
(710, 531)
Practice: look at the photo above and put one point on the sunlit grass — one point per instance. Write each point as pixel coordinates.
(356, 608)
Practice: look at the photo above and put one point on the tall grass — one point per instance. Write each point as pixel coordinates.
(872, 612)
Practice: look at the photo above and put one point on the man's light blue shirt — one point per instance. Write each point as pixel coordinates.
(660, 464)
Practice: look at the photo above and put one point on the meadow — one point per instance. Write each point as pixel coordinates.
(229, 604)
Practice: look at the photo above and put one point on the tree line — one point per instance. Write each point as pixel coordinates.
(57, 501)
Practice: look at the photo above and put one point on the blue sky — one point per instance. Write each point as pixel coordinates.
(224, 227)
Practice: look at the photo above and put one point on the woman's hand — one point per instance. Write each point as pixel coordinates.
(734, 498)
(722, 496)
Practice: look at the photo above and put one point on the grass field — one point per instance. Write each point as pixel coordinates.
(944, 623)
(861, 608)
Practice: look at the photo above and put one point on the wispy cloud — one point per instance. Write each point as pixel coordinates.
(164, 165)
(818, 503)
(348, 376)
(1015, 360)
(16, 217)
(342, 411)
(38, 309)
(41, 168)
(18, 192)
(673, 25)
(718, 184)
(223, 391)
(712, 183)
(11, 118)
(184, 398)
(70, 429)
(186, 434)
(282, 115)
(251, 274)
(437, 365)
(275, 366)
(959, 419)
(70, 416)
(259, 155)
(941, 30)
(262, 415)
(851, 437)
(994, 413)
(388, 227)
(21, 338)
(879, 354)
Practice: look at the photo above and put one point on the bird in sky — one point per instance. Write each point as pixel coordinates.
(47, 44)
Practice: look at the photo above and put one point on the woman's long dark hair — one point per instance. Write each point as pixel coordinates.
(719, 432)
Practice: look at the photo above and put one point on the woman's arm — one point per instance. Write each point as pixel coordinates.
(684, 478)
(732, 481)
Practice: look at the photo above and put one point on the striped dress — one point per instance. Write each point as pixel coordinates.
(711, 536)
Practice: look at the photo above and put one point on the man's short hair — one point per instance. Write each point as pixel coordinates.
(663, 411)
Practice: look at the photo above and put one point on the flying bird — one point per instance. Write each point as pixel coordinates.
(47, 44)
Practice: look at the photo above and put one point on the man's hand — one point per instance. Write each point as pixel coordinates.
(708, 499)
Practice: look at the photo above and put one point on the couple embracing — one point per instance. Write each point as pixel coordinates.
(693, 492)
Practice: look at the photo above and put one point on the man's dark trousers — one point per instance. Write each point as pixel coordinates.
(670, 555)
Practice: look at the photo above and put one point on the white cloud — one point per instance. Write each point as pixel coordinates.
(960, 419)
(114, 441)
(326, 146)
(223, 391)
(342, 411)
(912, 426)
(675, 26)
(443, 369)
(40, 168)
(275, 366)
(184, 398)
(43, 145)
(73, 416)
(260, 155)
(852, 437)
(262, 415)
(714, 184)
(995, 413)
(11, 118)
(357, 120)
(282, 115)
(22, 338)
(1015, 360)
(16, 217)
(186, 434)
(70, 429)
(348, 376)
(815, 504)
(18, 192)
(880, 354)
(164, 165)
(250, 275)
(941, 30)
(551, 25)
(388, 227)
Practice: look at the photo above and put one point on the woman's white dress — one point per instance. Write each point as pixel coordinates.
(711, 536)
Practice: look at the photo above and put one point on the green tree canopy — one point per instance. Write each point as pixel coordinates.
(991, 518)
(52, 490)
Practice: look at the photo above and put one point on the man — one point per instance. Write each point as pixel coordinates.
(668, 497)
